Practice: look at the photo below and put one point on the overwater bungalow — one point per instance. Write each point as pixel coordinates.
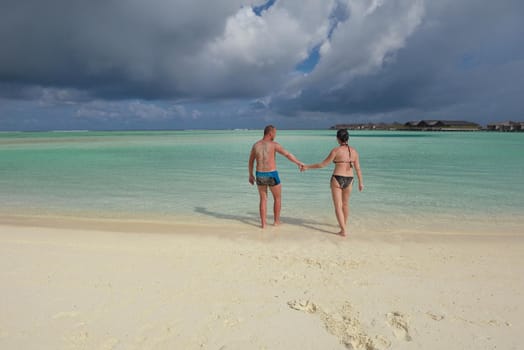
(442, 125)
(506, 126)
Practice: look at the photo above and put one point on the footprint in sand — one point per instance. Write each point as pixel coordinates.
(435, 316)
(344, 325)
(303, 305)
(398, 322)
(381, 342)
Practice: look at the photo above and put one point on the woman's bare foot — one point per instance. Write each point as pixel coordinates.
(342, 233)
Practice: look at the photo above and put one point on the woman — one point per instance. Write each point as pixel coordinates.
(346, 162)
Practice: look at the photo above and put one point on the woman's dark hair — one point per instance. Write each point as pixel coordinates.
(343, 135)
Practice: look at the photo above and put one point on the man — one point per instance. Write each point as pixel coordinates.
(263, 152)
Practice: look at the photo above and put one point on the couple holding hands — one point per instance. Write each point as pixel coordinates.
(344, 157)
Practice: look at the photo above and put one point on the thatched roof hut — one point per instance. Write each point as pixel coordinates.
(441, 125)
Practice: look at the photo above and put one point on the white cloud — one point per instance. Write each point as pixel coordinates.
(360, 45)
(196, 114)
(134, 109)
(98, 110)
(253, 55)
(148, 111)
(50, 97)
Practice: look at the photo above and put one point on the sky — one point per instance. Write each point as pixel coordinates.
(226, 64)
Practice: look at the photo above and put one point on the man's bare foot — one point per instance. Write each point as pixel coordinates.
(342, 233)
(276, 223)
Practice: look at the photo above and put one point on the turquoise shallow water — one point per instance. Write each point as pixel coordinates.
(409, 176)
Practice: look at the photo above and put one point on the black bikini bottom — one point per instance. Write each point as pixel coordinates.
(343, 181)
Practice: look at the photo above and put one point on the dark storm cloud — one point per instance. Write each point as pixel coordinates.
(160, 49)
(463, 60)
(114, 48)
(374, 58)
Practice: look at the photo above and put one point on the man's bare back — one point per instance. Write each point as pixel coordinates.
(264, 152)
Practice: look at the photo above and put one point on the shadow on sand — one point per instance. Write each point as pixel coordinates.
(253, 220)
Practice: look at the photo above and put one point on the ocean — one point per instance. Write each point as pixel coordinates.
(415, 180)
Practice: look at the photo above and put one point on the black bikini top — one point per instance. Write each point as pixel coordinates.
(346, 161)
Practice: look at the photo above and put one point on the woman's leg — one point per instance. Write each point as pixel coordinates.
(336, 192)
(346, 194)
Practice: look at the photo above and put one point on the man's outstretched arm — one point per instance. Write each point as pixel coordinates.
(288, 155)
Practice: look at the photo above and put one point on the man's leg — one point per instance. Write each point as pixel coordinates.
(262, 191)
(277, 205)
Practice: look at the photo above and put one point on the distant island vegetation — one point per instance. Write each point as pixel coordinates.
(435, 125)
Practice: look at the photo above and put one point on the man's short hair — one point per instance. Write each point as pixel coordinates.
(268, 129)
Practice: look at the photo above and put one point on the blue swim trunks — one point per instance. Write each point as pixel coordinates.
(267, 178)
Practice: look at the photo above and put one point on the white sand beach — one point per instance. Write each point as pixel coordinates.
(88, 285)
